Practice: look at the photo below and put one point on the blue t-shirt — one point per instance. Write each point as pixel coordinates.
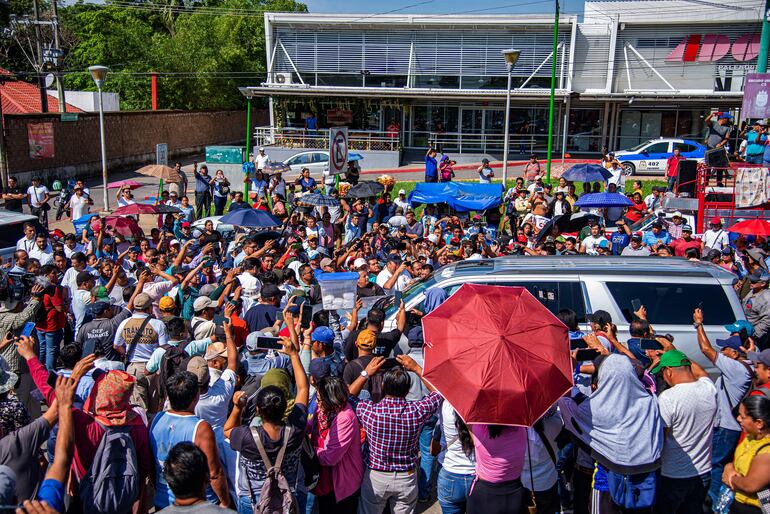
(431, 167)
(619, 241)
(312, 122)
(650, 239)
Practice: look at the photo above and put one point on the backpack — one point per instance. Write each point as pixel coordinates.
(111, 484)
(174, 359)
(276, 496)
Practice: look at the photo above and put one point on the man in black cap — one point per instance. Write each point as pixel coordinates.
(262, 315)
(485, 172)
(393, 277)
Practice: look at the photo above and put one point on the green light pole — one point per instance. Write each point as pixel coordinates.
(248, 148)
(764, 42)
(553, 91)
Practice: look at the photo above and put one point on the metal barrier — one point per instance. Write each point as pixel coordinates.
(302, 138)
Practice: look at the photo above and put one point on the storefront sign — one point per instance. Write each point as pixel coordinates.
(756, 103)
(713, 47)
(338, 150)
(339, 116)
(40, 136)
(161, 154)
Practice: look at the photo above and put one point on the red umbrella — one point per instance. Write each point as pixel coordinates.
(135, 209)
(126, 227)
(121, 184)
(497, 355)
(754, 227)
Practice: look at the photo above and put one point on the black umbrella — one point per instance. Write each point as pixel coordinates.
(365, 190)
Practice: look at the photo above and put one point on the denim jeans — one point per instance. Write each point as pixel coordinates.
(671, 183)
(219, 205)
(681, 495)
(427, 461)
(453, 490)
(245, 506)
(754, 159)
(723, 444)
(48, 350)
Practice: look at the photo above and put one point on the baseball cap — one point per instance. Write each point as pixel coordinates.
(433, 238)
(759, 276)
(166, 303)
(657, 224)
(271, 291)
(325, 262)
(604, 244)
(758, 254)
(312, 235)
(401, 191)
(358, 263)
(394, 258)
(600, 317)
(716, 220)
(637, 238)
(740, 325)
(101, 293)
(485, 161)
(314, 254)
(174, 242)
(686, 228)
(98, 307)
(323, 335)
(560, 239)
(733, 342)
(725, 116)
(197, 366)
(319, 368)
(178, 270)
(761, 123)
(727, 250)
(366, 340)
(671, 359)
(762, 357)
(202, 302)
(185, 224)
(251, 341)
(216, 350)
(142, 301)
(261, 148)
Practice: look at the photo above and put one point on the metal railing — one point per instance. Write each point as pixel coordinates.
(302, 138)
(469, 142)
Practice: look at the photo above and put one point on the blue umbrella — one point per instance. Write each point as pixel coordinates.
(587, 173)
(599, 200)
(250, 218)
(355, 156)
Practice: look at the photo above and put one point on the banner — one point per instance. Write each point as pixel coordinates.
(756, 103)
(40, 136)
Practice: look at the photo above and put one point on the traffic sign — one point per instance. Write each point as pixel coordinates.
(161, 154)
(338, 150)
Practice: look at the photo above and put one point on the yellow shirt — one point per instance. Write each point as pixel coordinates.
(744, 454)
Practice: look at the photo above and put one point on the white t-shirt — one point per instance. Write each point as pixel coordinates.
(44, 256)
(715, 239)
(404, 204)
(261, 161)
(78, 248)
(79, 205)
(542, 473)
(453, 458)
(401, 282)
(80, 298)
(36, 195)
(592, 243)
(212, 405)
(142, 352)
(485, 176)
(688, 412)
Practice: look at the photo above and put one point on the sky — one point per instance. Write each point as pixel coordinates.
(443, 6)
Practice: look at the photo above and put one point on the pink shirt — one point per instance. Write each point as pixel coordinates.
(342, 451)
(500, 459)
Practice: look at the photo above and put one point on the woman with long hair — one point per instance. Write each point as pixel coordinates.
(458, 461)
(749, 472)
(336, 437)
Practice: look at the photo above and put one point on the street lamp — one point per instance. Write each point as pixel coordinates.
(99, 74)
(511, 56)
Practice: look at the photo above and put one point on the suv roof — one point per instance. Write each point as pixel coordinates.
(8, 217)
(588, 264)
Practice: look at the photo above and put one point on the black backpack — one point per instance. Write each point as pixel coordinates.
(174, 360)
(111, 484)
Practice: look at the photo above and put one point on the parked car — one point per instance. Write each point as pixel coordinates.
(314, 160)
(669, 288)
(13, 230)
(651, 156)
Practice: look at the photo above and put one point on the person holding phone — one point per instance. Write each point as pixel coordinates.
(50, 324)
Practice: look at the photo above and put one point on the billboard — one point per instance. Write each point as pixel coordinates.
(756, 90)
(41, 144)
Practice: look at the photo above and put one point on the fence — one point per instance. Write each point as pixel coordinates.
(301, 138)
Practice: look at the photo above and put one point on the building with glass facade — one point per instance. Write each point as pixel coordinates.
(628, 72)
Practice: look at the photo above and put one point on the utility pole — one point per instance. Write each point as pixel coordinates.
(39, 45)
(56, 42)
(3, 156)
(553, 88)
(764, 42)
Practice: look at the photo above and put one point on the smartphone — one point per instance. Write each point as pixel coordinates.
(29, 328)
(577, 344)
(649, 344)
(397, 297)
(269, 343)
(307, 317)
(636, 304)
(586, 354)
(389, 363)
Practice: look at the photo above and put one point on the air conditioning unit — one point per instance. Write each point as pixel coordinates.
(283, 78)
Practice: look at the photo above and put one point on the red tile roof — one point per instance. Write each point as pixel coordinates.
(21, 97)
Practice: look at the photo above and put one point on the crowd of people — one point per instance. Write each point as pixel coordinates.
(189, 371)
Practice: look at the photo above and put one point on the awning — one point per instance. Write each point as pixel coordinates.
(460, 196)
(399, 92)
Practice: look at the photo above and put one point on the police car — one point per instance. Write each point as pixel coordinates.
(651, 156)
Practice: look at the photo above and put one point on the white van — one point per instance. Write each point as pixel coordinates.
(669, 288)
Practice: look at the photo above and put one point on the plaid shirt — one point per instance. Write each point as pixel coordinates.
(393, 430)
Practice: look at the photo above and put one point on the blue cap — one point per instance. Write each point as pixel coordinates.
(604, 244)
(738, 325)
(323, 335)
(725, 116)
(733, 342)
(319, 368)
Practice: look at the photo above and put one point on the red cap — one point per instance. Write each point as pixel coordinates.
(716, 220)
(185, 224)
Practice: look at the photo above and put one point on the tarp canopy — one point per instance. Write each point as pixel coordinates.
(460, 196)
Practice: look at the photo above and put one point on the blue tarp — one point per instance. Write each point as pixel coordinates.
(460, 196)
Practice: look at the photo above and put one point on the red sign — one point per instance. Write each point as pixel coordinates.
(40, 136)
(713, 47)
(340, 117)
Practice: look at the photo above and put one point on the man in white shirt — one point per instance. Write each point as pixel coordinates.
(42, 250)
(394, 276)
(78, 261)
(401, 201)
(81, 297)
(37, 198)
(654, 200)
(71, 246)
(27, 243)
(591, 243)
(688, 409)
(261, 160)
(250, 284)
(715, 238)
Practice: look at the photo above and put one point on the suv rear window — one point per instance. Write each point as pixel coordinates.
(673, 304)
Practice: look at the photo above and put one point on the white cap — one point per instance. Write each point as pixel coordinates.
(261, 148)
(202, 302)
(677, 214)
(358, 263)
(401, 192)
(433, 238)
(174, 242)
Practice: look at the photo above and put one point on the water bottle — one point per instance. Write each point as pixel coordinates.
(725, 500)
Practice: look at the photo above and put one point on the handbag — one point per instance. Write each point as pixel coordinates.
(632, 491)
